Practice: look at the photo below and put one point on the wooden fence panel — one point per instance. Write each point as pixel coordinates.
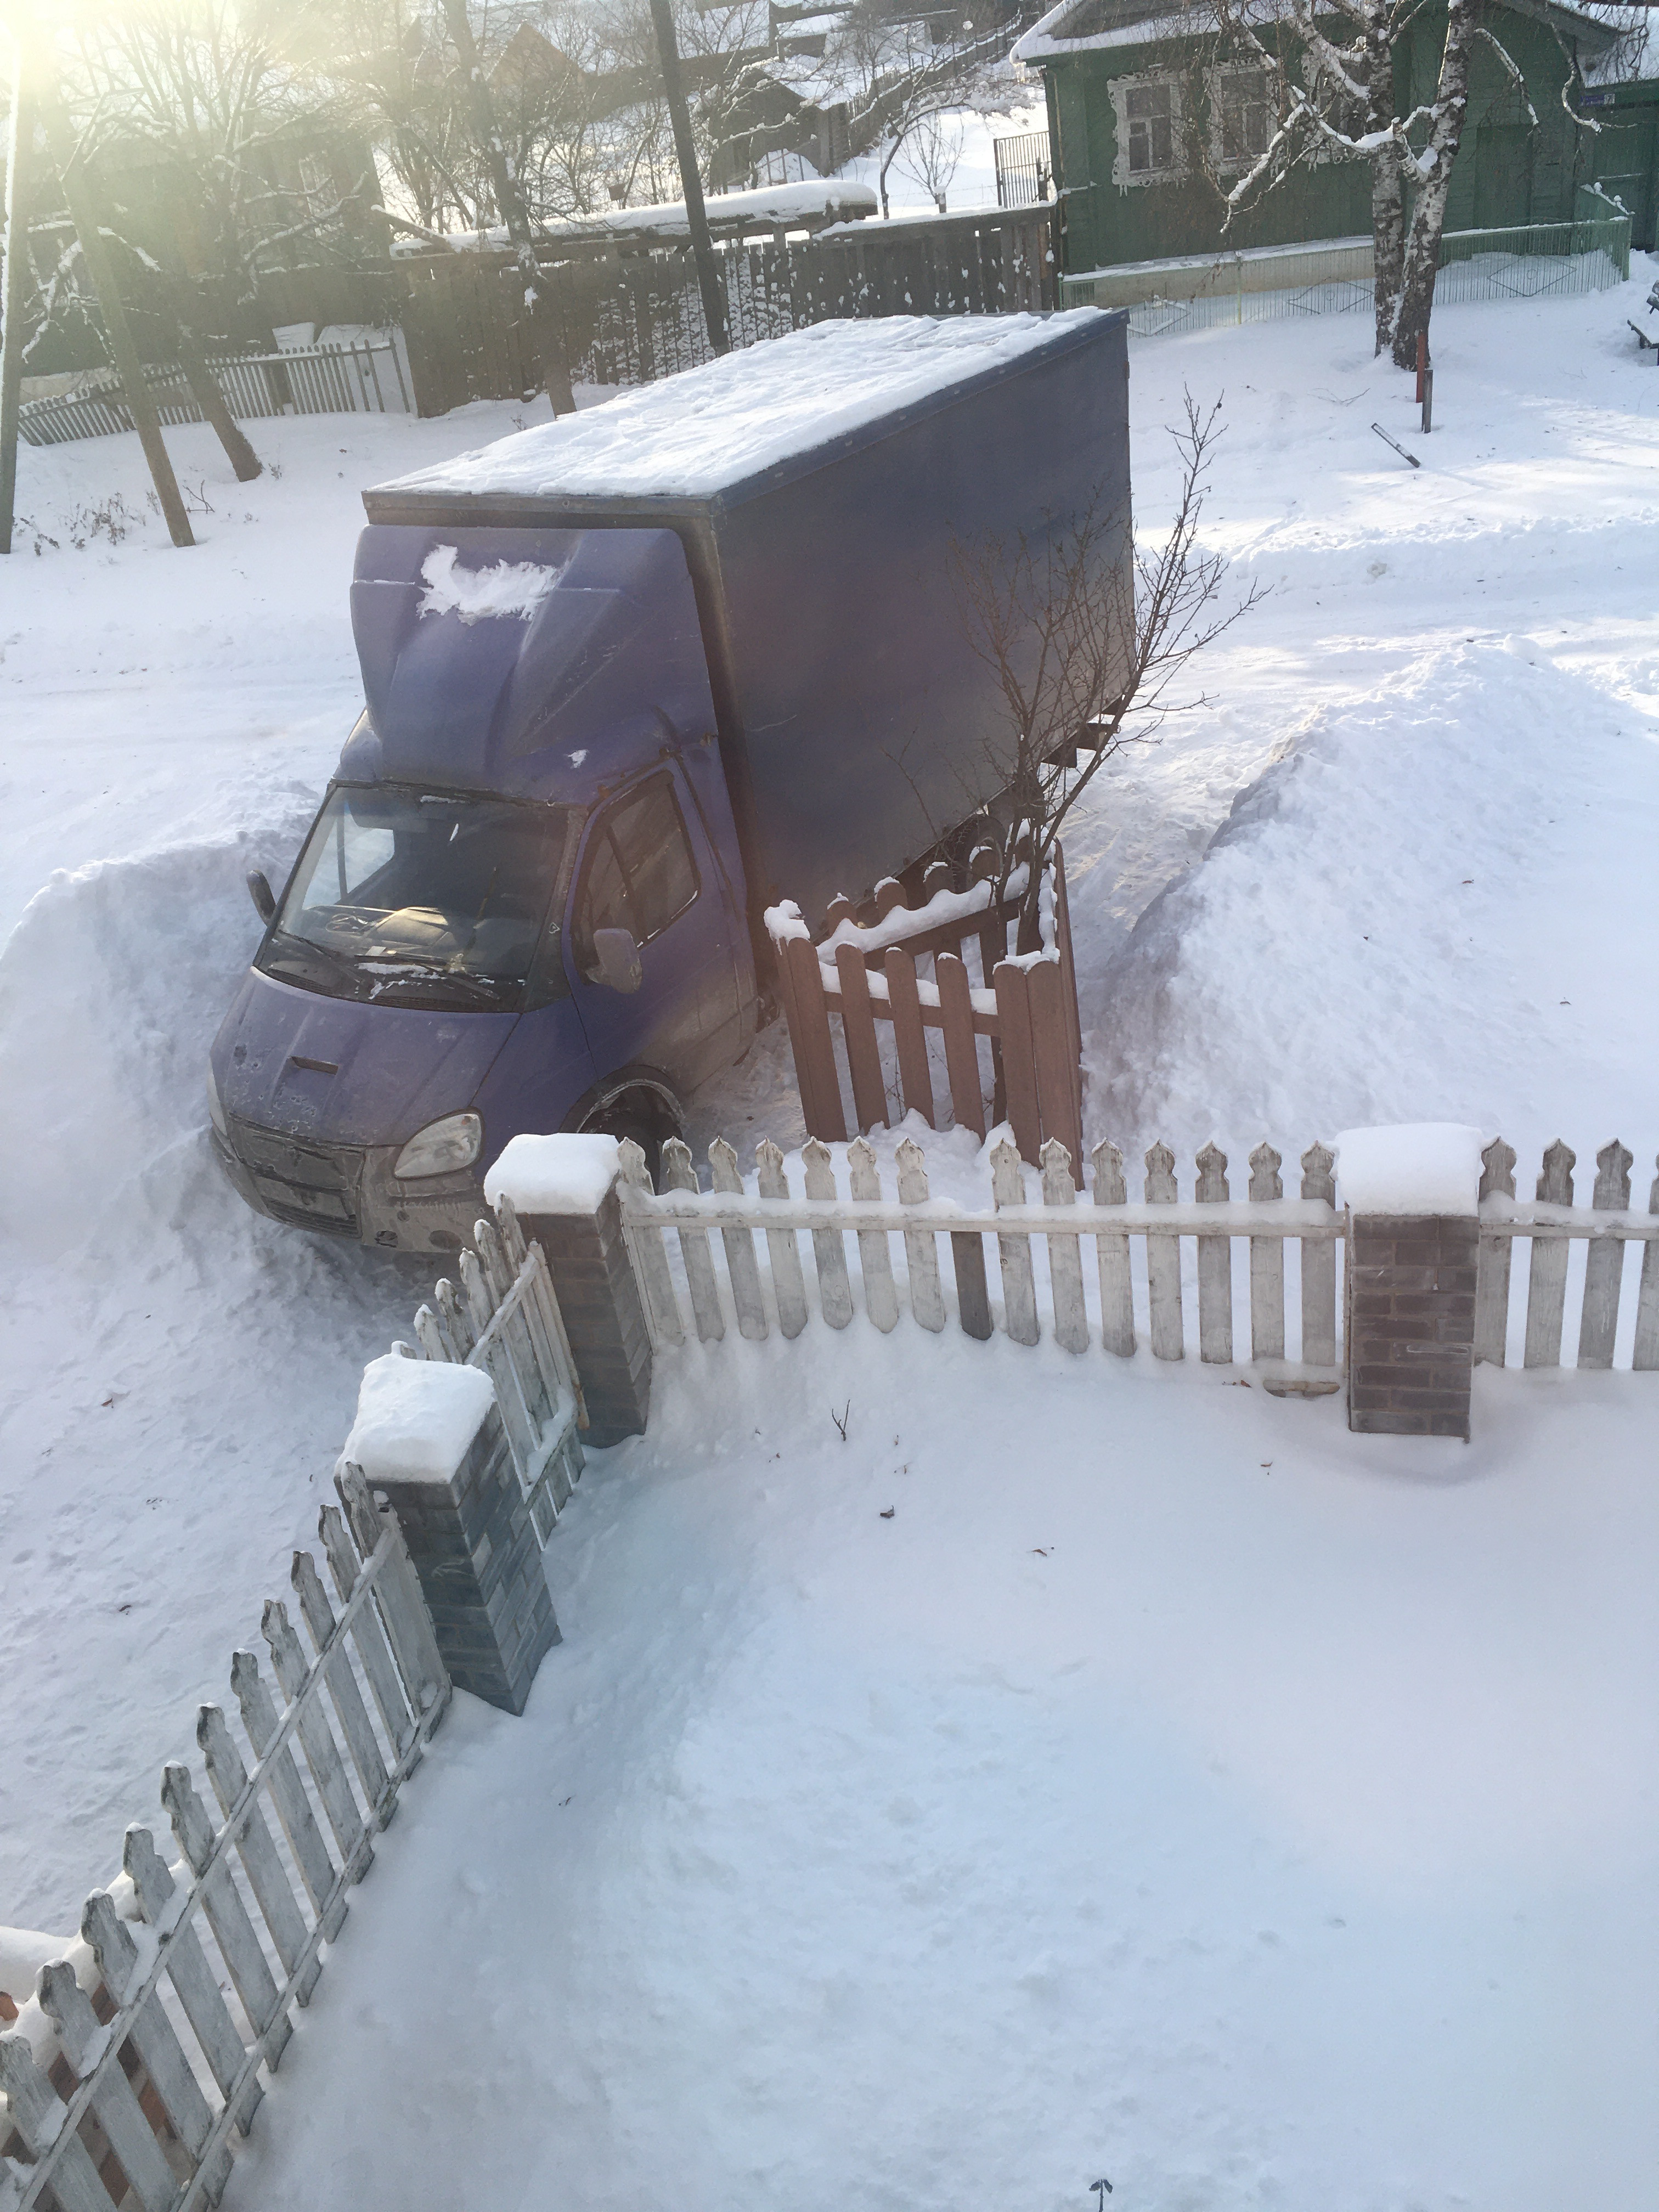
(1117, 1308)
(920, 1246)
(859, 1032)
(961, 1052)
(1644, 1357)
(1266, 1262)
(1064, 1254)
(742, 1268)
(678, 1174)
(1019, 1307)
(1215, 1267)
(828, 1253)
(1604, 1262)
(1319, 1265)
(782, 1250)
(1491, 1298)
(910, 1039)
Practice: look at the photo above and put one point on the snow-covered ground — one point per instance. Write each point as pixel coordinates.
(861, 1893)
(963, 136)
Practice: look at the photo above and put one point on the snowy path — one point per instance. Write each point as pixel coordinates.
(1456, 678)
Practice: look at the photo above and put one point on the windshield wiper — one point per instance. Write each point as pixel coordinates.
(435, 982)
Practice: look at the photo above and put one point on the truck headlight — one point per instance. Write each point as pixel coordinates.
(215, 1111)
(441, 1147)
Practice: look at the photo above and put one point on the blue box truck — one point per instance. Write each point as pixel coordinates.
(628, 678)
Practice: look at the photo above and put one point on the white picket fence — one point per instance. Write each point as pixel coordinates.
(148, 2071)
(760, 1294)
(505, 1318)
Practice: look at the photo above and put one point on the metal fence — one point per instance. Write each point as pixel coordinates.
(1025, 171)
(1335, 276)
(364, 377)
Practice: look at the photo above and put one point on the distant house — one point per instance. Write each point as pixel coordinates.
(1149, 120)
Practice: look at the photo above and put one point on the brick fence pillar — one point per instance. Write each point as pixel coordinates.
(1414, 1237)
(429, 1436)
(564, 1189)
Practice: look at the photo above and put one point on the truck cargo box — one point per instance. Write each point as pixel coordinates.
(818, 483)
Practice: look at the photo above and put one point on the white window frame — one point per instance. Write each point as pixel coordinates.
(1123, 177)
(1236, 165)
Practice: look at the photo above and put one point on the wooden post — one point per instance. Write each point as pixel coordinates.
(11, 299)
(696, 216)
(123, 353)
(204, 388)
(1491, 1298)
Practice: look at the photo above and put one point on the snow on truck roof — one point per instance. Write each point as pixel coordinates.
(709, 428)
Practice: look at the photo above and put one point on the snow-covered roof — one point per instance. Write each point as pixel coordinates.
(1093, 26)
(767, 207)
(708, 429)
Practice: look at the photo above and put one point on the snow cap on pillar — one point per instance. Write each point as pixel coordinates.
(1410, 1170)
(559, 1174)
(416, 1419)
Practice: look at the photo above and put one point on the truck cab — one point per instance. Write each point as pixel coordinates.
(522, 905)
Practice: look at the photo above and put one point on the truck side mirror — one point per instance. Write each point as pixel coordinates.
(260, 891)
(618, 956)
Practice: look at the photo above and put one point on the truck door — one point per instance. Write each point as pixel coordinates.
(646, 867)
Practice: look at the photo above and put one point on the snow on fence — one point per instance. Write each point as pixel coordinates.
(125, 2079)
(1029, 1016)
(1332, 276)
(505, 1319)
(763, 1293)
(364, 377)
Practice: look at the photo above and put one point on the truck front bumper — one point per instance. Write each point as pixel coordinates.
(347, 1190)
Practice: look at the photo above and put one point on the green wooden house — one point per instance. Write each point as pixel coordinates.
(1148, 120)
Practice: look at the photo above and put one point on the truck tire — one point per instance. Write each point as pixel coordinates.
(642, 1115)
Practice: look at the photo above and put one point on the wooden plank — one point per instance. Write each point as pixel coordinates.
(1266, 1262)
(317, 1738)
(193, 1978)
(1163, 1261)
(1215, 1267)
(349, 1707)
(678, 1174)
(961, 1053)
(910, 1039)
(287, 1791)
(1492, 1296)
(830, 1254)
(1065, 1253)
(227, 1915)
(816, 1051)
(36, 2111)
(1060, 1102)
(1645, 1357)
(1604, 1263)
(1019, 1064)
(858, 1030)
(973, 1292)
(396, 1597)
(875, 1261)
(256, 1849)
(645, 1242)
(783, 1247)
(1117, 1308)
(1318, 1265)
(373, 1650)
(116, 2109)
(742, 1264)
(1546, 1285)
(1019, 1306)
(921, 1245)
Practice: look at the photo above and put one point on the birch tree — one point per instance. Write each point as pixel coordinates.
(1331, 64)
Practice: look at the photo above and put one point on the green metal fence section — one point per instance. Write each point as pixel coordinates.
(1334, 277)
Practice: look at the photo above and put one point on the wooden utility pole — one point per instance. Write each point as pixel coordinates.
(509, 200)
(123, 352)
(697, 215)
(11, 296)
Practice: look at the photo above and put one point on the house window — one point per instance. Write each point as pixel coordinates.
(1148, 130)
(1247, 116)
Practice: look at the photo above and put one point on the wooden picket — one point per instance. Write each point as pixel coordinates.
(120, 2114)
(776, 1295)
(505, 1319)
(871, 980)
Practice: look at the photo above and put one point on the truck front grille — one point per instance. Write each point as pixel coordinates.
(307, 1186)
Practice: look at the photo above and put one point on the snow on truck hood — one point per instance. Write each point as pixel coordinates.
(708, 429)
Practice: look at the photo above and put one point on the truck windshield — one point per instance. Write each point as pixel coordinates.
(419, 898)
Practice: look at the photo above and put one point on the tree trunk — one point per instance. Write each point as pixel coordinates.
(11, 301)
(124, 354)
(1388, 184)
(509, 201)
(204, 387)
(696, 216)
(1429, 214)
